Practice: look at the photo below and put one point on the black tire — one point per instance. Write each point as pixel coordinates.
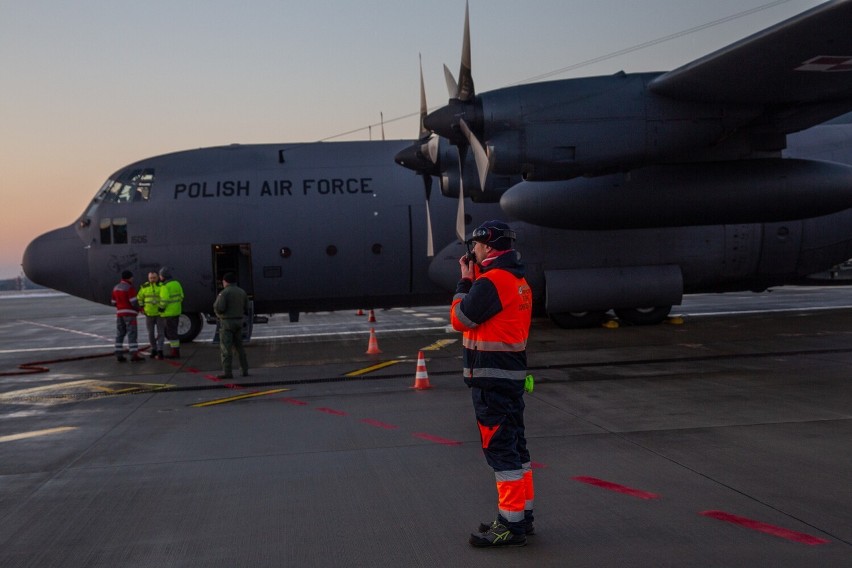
(189, 326)
(643, 316)
(578, 320)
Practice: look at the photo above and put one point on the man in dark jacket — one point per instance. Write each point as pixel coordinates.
(230, 307)
(493, 308)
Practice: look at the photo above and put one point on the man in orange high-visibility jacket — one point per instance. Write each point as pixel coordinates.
(493, 308)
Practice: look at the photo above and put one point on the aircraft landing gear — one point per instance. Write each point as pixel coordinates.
(189, 326)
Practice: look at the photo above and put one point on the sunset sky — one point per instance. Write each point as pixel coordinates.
(87, 86)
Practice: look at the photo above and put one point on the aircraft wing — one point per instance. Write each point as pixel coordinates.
(805, 61)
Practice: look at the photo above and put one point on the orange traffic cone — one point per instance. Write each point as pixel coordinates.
(373, 346)
(421, 377)
(372, 317)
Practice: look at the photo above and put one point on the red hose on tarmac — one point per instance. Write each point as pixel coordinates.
(38, 366)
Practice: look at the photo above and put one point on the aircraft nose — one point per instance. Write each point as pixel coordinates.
(58, 260)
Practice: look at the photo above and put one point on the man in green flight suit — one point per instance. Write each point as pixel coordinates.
(230, 307)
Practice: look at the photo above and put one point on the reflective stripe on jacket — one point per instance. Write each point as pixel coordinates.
(494, 312)
(149, 298)
(171, 296)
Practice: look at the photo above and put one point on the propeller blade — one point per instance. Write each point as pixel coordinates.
(423, 109)
(430, 244)
(482, 158)
(460, 211)
(465, 91)
(452, 86)
(430, 148)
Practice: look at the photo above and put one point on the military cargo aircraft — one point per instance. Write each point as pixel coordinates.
(626, 192)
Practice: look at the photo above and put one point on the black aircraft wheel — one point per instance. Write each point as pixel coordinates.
(189, 326)
(643, 316)
(578, 320)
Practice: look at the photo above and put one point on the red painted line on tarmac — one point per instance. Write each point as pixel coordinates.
(293, 401)
(610, 486)
(765, 528)
(332, 411)
(379, 424)
(436, 439)
(192, 370)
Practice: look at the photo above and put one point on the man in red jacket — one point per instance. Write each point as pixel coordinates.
(493, 308)
(126, 308)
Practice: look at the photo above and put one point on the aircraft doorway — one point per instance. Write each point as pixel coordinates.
(233, 258)
(236, 259)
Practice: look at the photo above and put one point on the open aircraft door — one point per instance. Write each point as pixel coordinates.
(234, 258)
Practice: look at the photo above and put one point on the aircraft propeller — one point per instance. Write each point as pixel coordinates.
(460, 120)
(422, 157)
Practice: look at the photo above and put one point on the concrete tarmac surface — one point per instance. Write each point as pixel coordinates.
(721, 439)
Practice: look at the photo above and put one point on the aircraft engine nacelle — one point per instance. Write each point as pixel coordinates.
(716, 193)
(601, 125)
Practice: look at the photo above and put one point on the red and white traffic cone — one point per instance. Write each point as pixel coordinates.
(421, 377)
(373, 345)
(372, 318)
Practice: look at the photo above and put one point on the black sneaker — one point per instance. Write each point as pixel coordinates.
(528, 530)
(120, 358)
(497, 535)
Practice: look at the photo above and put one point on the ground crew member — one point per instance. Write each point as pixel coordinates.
(126, 308)
(493, 307)
(230, 307)
(149, 301)
(171, 306)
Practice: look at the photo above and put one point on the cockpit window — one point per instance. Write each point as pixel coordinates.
(129, 186)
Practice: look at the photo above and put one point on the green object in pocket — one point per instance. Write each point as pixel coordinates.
(529, 383)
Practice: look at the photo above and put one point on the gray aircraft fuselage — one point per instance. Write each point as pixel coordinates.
(328, 226)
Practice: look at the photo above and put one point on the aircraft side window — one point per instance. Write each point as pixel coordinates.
(142, 181)
(113, 231)
(119, 230)
(106, 231)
